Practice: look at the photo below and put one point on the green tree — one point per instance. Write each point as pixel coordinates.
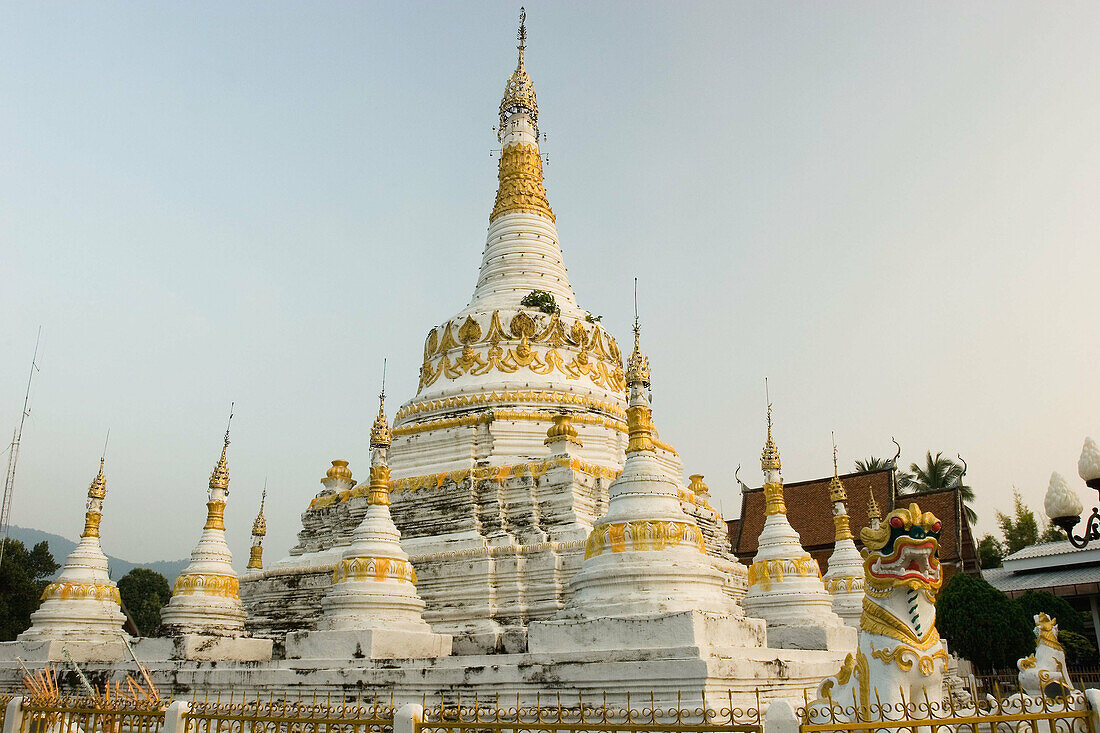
(1079, 649)
(990, 552)
(1020, 530)
(144, 592)
(1052, 533)
(971, 613)
(941, 473)
(1040, 601)
(23, 577)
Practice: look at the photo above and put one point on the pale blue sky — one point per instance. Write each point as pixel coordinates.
(890, 209)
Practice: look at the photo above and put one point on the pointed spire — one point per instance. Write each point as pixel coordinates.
(874, 514)
(519, 92)
(259, 531)
(839, 497)
(259, 526)
(769, 459)
(774, 503)
(639, 416)
(219, 479)
(380, 434)
(97, 492)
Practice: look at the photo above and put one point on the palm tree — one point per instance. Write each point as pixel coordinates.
(942, 473)
(874, 464)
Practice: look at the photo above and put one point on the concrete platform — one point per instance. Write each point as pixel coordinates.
(203, 648)
(366, 644)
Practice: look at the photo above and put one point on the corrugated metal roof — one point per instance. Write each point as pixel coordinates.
(1046, 549)
(1006, 581)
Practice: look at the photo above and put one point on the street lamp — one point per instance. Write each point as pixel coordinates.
(1064, 507)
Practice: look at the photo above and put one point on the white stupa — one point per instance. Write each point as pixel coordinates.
(80, 610)
(372, 609)
(844, 578)
(205, 617)
(646, 581)
(785, 587)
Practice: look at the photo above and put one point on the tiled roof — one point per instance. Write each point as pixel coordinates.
(809, 510)
(1046, 549)
(810, 513)
(1007, 581)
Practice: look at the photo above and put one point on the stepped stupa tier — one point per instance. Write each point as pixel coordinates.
(494, 520)
(81, 610)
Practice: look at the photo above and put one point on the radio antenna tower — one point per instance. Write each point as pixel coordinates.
(13, 452)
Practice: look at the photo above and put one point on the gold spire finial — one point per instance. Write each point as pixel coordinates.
(259, 527)
(769, 459)
(874, 514)
(219, 479)
(97, 492)
(519, 92)
(836, 487)
(637, 366)
(380, 434)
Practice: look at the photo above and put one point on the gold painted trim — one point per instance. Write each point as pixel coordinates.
(377, 569)
(506, 414)
(642, 536)
(524, 397)
(81, 592)
(520, 186)
(765, 572)
(898, 656)
(773, 499)
(225, 586)
(215, 515)
(877, 620)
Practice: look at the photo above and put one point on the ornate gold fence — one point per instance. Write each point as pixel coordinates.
(82, 715)
(550, 715)
(280, 716)
(993, 714)
(4, 700)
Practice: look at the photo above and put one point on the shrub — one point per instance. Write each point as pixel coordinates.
(983, 624)
(1079, 649)
(1054, 606)
(541, 300)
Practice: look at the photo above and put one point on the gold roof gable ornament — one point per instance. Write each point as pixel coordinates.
(519, 92)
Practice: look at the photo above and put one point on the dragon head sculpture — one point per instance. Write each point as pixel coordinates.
(902, 550)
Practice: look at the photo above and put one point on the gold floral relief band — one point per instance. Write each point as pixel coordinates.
(374, 569)
(517, 396)
(520, 186)
(81, 592)
(642, 536)
(766, 572)
(225, 586)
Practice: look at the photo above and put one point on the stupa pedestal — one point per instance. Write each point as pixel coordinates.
(372, 610)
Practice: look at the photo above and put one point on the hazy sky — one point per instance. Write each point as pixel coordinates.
(888, 208)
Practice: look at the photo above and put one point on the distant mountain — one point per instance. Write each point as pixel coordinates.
(61, 547)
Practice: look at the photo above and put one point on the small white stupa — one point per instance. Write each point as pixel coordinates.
(204, 617)
(844, 578)
(646, 581)
(80, 611)
(372, 610)
(785, 587)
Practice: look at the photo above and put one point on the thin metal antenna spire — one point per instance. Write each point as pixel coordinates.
(13, 451)
(382, 395)
(229, 422)
(521, 35)
(636, 328)
(768, 399)
(103, 455)
(833, 433)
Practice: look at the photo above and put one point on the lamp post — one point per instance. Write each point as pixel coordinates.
(1064, 507)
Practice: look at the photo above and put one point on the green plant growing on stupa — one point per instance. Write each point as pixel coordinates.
(541, 300)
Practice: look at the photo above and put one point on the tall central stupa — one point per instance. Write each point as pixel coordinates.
(494, 525)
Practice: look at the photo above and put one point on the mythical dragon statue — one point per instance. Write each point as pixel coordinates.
(900, 657)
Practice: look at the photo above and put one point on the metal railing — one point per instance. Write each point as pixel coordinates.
(1007, 680)
(549, 714)
(84, 715)
(4, 700)
(281, 716)
(988, 714)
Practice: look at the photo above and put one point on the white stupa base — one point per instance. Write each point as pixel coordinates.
(367, 644)
(708, 634)
(833, 638)
(53, 650)
(204, 648)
